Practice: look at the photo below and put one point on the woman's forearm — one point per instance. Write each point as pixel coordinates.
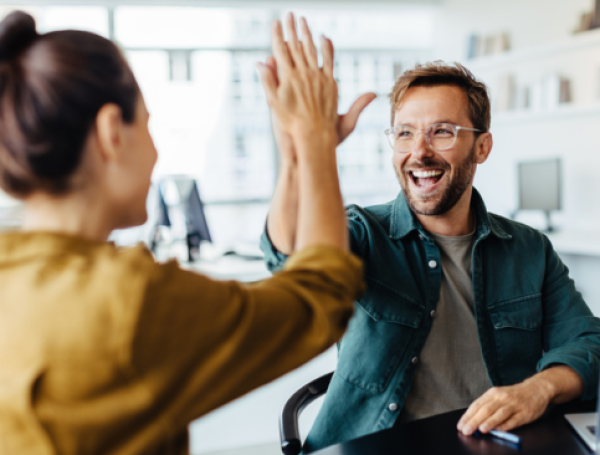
(321, 215)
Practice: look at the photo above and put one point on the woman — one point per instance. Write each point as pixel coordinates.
(102, 349)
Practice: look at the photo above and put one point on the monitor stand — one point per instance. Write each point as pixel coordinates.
(193, 240)
(549, 227)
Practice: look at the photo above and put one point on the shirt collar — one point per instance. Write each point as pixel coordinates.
(404, 221)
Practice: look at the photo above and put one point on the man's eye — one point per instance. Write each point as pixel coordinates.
(443, 132)
(403, 134)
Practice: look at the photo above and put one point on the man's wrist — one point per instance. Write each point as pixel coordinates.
(544, 384)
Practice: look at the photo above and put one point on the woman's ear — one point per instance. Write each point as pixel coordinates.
(110, 131)
(483, 147)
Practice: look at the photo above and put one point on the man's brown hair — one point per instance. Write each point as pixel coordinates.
(440, 73)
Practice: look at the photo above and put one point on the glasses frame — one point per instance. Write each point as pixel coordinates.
(427, 132)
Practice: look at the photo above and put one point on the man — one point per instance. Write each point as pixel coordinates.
(464, 308)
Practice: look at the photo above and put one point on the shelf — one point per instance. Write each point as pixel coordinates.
(579, 41)
(529, 116)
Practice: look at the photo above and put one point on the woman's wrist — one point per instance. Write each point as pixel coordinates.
(307, 133)
(317, 144)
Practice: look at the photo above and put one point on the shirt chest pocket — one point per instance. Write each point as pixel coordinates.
(518, 335)
(378, 337)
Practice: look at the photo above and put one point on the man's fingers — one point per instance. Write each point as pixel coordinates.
(310, 50)
(470, 412)
(348, 121)
(496, 419)
(516, 420)
(269, 81)
(486, 408)
(481, 416)
(327, 50)
(294, 43)
(280, 48)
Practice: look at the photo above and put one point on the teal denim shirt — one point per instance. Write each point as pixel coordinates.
(529, 315)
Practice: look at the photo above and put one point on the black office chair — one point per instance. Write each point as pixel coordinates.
(288, 421)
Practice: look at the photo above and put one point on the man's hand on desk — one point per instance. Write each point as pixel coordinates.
(505, 408)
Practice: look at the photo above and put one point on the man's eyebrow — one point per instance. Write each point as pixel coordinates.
(444, 120)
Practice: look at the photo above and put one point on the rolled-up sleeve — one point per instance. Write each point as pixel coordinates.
(274, 259)
(571, 332)
(200, 343)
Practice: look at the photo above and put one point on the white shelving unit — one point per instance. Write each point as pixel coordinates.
(589, 40)
(568, 130)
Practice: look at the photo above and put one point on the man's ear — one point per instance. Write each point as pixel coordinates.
(483, 147)
(109, 130)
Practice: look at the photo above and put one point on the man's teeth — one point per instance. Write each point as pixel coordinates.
(426, 174)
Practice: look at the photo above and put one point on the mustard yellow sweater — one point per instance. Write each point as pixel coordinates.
(105, 351)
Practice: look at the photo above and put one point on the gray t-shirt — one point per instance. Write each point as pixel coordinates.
(450, 374)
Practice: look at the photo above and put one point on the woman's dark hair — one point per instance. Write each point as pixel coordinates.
(51, 89)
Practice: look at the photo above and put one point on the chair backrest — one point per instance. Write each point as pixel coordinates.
(289, 435)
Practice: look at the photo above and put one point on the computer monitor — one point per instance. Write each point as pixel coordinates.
(540, 186)
(195, 220)
(158, 213)
(186, 202)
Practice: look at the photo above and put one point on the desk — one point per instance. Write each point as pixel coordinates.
(582, 242)
(230, 268)
(550, 435)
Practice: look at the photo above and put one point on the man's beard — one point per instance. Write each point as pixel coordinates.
(456, 188)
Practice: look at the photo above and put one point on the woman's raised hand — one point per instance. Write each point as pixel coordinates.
(302, 95)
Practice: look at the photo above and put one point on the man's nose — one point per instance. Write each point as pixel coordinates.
(421, 148)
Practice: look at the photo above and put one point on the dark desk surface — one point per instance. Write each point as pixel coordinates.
(550, 435)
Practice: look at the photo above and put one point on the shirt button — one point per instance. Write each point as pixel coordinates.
(432, 264)
(414, 360)
(393, 407)
(432, 314)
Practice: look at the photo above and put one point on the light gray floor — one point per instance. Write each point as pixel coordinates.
(252, 420)
(267, 449)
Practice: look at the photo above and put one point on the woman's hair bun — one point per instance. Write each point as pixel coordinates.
(17, 31)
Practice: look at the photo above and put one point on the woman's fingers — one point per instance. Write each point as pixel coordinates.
(294, 43)
(327, 50)
(310, 50)
(280, 47)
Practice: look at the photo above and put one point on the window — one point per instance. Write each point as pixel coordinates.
(209, 117)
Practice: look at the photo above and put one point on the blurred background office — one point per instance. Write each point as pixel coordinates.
(194, 60)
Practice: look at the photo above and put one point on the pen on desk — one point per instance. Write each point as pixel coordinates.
(513, 438)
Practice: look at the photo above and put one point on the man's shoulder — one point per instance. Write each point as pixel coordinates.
(379, 213)
(516, 230)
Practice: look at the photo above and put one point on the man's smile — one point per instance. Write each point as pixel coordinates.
(425, 181)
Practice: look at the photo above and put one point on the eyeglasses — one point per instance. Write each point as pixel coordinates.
(439, 136)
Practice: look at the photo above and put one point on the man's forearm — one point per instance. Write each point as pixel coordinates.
(561, 382)
(283, 213)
